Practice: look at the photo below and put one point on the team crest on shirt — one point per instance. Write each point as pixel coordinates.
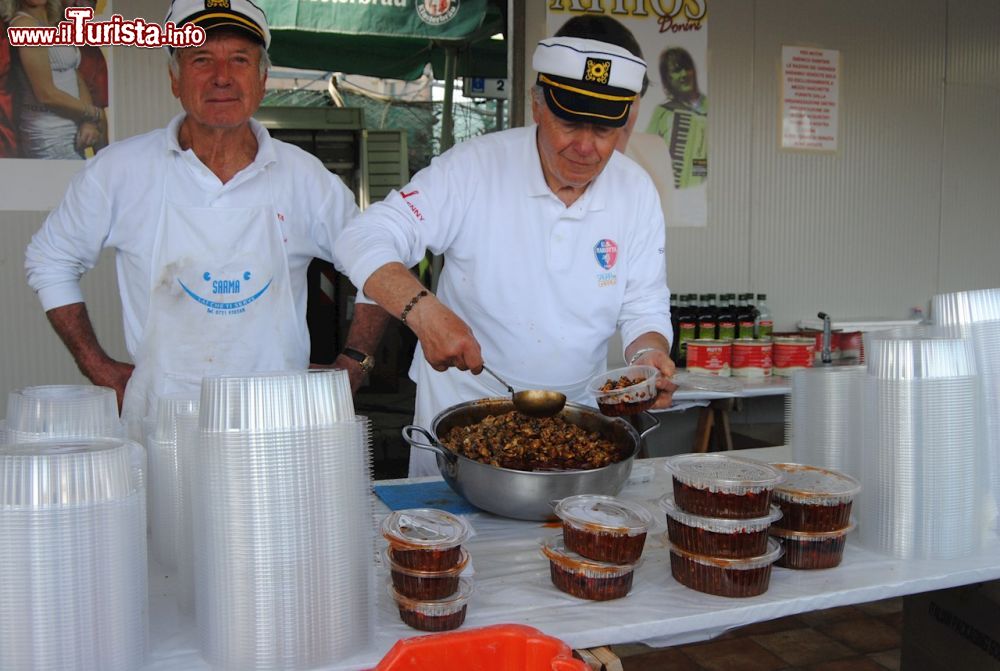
(606, 253)
(226, 295)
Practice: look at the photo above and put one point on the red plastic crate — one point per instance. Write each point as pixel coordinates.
(502, 647)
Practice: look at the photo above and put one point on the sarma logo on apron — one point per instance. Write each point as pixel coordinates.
(606, 253)
(218, 290)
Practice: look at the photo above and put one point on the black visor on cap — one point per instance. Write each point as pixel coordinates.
(576, 101)
(220, 18)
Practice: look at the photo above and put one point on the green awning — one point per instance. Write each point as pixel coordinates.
(386, 38)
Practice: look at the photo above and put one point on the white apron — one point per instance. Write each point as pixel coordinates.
(220, 303)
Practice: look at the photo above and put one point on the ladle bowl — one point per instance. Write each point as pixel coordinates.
(534, 402)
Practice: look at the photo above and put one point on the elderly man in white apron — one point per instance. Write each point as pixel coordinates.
(213, 223)
(552, 242)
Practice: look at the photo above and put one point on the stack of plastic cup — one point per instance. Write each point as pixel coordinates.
(978, 313)
(923, 477)
(73, 567)
(824, 416)
(164, 485)
(188, 444)
(62, 411)
(281, 486)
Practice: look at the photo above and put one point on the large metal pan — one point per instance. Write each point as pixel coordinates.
(526, 495)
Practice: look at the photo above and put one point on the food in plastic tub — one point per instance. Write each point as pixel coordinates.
(811, 549)
(418, 584)
(815, 499)
(625, 391)
(751, 358)
(604, 528)
(425, 538)
(744, 577)
(717, 536)
(709, 357)
(586, 578)
(721, 485)
(441, 614)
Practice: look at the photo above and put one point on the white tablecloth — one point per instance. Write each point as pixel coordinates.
(513, 586)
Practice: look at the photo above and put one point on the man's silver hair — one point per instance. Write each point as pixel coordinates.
(175, 65)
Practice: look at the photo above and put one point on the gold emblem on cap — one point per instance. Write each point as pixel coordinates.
(217, 4)
(597, 71)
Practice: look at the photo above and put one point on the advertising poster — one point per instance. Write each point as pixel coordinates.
(809, 98)
(670, 135)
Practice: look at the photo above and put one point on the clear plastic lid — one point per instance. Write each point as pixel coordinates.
(718, 525)
(604, 513)
(807, 536)
(774, 552)
(814, 485)
(424, 529)
(554, 548)
(435, 607)
(419, 573)
(723, 472)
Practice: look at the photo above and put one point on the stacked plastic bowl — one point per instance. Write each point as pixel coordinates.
(283, 536)
(61, 411)
(164, 483)
(978, 314)
(923, 477)
(824, 417)
(72, 556)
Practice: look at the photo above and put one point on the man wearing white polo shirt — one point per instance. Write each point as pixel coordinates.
(551, 242)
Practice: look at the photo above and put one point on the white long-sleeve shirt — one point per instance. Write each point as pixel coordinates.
(543, 286)
(116, 202)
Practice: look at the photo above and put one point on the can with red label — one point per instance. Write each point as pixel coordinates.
(850, 345)
(709, 357)
(751, 358)
(818, 336)
(792, 354)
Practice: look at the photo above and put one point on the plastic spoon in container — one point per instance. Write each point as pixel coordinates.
(533, 402)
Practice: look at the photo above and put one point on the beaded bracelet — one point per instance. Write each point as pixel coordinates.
(413, 302)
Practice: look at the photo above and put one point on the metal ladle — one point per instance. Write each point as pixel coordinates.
(533, 402)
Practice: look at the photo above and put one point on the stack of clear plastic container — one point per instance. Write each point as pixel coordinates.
(61, 411)
(73, 586)
(923, 477)
(283, 542)
(824, 416)
(164, 484)
(978, 314)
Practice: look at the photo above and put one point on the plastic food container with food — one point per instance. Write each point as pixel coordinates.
(811, 549)
(586, 578)
(815, 499)
(625, 391)
(721, 485)
(717, 536)
(425, 538)
(744, 577)
(418, 584)
(434, 614)
(604, 528)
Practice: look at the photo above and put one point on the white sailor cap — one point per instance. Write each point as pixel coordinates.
(240, 15)
(588, 81)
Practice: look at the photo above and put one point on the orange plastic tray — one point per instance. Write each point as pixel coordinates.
(502, 647)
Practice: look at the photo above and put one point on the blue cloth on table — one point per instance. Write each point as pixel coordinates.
(435, 494)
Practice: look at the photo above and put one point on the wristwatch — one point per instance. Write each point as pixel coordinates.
(366, 361)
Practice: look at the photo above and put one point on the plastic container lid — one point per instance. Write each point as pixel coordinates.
(808, 536)
(635, 393)
(718, 525)
(435, 607)
(420, 573)
(774, 552)
(554, 548)
(814, 485)
(723, 473)
(425, 529)
(604, 513)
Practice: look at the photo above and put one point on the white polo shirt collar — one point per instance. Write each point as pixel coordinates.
(265, 146)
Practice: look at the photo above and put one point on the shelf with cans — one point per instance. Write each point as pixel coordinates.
(733, 335)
